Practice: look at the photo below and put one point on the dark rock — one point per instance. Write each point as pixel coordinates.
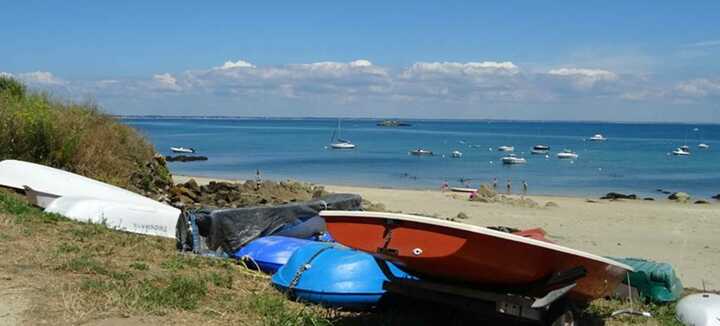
(648, 198)
(701, 202)
(679, 196)
(185, 158)
(192, 185)
(716, 197)
(617, 195)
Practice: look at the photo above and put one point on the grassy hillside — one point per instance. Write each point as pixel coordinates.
(71, 136)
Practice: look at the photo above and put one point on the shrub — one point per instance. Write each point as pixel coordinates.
(75, 137)
(11, 87)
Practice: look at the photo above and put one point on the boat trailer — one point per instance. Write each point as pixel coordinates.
(545, 302)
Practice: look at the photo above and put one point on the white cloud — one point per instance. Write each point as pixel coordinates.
(166, 81)
(698, 88)
(41, 77)
(584, 73)
(430, 69)
(236, 64)
(582, 78)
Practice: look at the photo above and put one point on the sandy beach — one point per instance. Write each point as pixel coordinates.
(685, 235)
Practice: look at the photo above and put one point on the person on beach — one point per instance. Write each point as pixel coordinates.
(525, 187)
(509, 187)
(494, 184)
(444, 186)
(258, 180)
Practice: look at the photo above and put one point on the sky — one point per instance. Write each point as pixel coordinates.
(538, 60)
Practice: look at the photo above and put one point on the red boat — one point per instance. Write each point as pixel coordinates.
(471, 255)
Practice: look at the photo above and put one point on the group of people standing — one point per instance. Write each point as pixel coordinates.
(508, 186)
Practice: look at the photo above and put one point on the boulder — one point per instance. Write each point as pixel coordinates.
(681, 197)
(649, 198)
(617, 195)
(701, 202)
(716, 197)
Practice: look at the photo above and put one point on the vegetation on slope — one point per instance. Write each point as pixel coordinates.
(71, 136)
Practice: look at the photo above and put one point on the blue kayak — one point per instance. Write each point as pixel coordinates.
(269, 253)
(335, 276)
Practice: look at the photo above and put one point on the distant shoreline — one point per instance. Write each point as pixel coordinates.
(486, 120)
(659, 197)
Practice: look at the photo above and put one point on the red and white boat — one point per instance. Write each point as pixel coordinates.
(472, 255)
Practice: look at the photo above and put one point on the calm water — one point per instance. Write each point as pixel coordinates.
(634, 159)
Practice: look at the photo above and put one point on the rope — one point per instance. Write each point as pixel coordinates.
(303, 268)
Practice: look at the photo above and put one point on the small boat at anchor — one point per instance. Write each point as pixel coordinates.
(513, 159)
(456, 154)
(338, 143)
(540, 150)
(505, 148)
(597, 137)
(472, 255)
(567, 154)
(681, 151)
(188, 150)
(421, 152)
(703, 146)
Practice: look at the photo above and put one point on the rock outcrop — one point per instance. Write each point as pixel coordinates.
(617, 195)
(185, 158)
(250, 193)
(486, 194)
(681, 197)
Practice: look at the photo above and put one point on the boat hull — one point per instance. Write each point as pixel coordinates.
(342, 146)
(454, 252)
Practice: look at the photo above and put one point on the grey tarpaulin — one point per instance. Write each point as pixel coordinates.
(231, 229)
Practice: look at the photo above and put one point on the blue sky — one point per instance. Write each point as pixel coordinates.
(560, 60)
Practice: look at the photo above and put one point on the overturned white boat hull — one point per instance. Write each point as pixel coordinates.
(20, 174)
(85, 199)
(117, 215)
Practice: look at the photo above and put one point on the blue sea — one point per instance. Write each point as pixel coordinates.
(634, 159)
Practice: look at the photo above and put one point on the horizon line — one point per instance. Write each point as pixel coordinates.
(233, 117)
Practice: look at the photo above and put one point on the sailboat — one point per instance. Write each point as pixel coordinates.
(336, 142)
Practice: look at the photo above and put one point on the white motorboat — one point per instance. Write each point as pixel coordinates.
(338, 143)
(188, 150)
(505, 148)
(598, 137)
(680, 151)
(456, 154)
(540, 150)
(421, 152)
(685, 148)
(703, 146)
(567, 154)
(513, 159)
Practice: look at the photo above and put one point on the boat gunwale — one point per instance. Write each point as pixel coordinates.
(475, 229)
